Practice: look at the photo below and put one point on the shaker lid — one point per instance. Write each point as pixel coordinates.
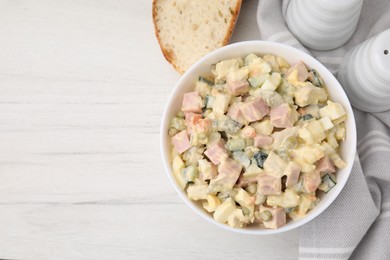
(381, 54)
(338, 5)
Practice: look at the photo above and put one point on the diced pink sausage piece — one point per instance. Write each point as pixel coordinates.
(191, 119)
(311, 181)
(235, 113)
(228, 173)
(180, 141)
(254, 109)
(269, 185)
(292, 172)
(263, 140)
(245, 97)
(245, 181)
(248, 132)
(325, 165)
(278, 217)
(303, 74)
(192, 102)
(282, 116)
(239, 87)
(216, 152)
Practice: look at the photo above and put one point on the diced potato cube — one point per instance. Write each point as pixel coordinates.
(234, 221)
(274, 165)
(281, 136)
(276, 78)
(288, 199)
(223, 67)
(332, 110)
(338, 162)
(316, 130)
(275, 200)
(245, 200)
(340, 132)
(258, 67)
(315, 154)
(321, 93)
(307, 155)
(268, 85)
(250, 58)
(332, 140)
(202, 88)
(177, 167)
(306, 135)
(174, 152)
(327, 148)
(282, 63)
(197, 191)
(312, 132)
(272, 83)
(207, 170)
(307, 94)
(238, 74)
(271, 59)
(326, 123)
(263, 127)
(340, 120)
(305, 205)
(221, 103)
(253, 170)
(292, 77)
(307, 167)
(223, 212)
(313, 110)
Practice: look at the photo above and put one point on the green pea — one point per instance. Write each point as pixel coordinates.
(266, 215)
(172, 131)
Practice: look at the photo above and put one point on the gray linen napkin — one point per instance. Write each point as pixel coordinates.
(357, 224)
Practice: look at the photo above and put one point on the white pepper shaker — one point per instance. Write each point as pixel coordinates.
(365, 74)
(323, 24)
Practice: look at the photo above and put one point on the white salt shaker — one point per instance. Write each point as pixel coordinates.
(365, 74)
(323, 24)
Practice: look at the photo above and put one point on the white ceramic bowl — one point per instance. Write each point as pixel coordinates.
(292, 55)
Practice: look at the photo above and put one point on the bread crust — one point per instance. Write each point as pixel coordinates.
(169, 55)
(233, 22)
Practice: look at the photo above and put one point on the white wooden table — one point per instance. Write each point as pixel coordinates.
(82, 88)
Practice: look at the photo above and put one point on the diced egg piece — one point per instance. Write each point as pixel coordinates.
(212, 203)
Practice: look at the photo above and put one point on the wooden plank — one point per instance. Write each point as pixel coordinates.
(82, 88)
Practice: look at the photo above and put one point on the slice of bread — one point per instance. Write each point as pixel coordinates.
(189, 29)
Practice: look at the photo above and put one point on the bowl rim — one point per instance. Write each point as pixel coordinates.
(351, 131)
